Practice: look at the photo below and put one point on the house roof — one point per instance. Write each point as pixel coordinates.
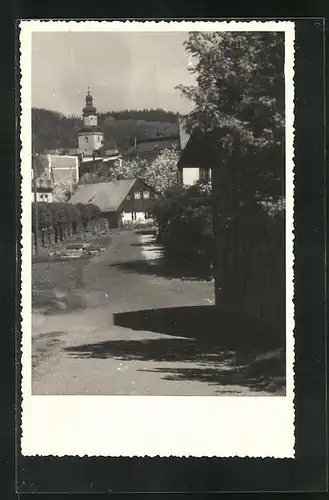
(184, 136)
(198, 152)
(64, 168)
(89, 159)
(64, 175)
(63, 151)
(40, 165)
(154, 145)
(108, 196)
(63, 161)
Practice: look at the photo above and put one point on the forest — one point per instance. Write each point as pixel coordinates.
(53, 130)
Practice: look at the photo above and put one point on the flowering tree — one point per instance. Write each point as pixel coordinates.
(129, 168)
(63, 191)
(162, 172)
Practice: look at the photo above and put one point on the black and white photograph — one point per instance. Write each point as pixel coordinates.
(157, 261)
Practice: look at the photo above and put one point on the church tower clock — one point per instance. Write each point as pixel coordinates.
(91, 137)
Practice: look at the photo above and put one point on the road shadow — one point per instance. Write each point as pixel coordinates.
(146, 232)
(228, 349)
(166, 267)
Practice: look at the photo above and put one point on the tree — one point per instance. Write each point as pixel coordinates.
(88, 213)
(63, 191)
(239, 100)
(73, 217)
(129, 168)
(45, 219)
(162, 172)
(239, 108)
(60, 219)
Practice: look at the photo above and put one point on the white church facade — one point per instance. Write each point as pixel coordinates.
(91, 136)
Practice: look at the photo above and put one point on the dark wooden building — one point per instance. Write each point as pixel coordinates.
(121, 202)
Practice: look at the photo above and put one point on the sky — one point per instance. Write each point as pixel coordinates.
(123, 70)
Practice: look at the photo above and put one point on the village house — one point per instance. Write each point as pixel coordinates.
(42, 184)
(193, 164)
(51, 170)
(121, 202)
(150, 148)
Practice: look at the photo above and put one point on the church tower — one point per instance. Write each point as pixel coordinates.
(91, 137)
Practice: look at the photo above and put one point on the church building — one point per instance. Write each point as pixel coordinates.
(91, 136)
(93, 157)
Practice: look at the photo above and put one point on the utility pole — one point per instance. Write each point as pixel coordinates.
(36, 213)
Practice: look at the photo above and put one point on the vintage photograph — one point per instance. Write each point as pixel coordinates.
(159, 211)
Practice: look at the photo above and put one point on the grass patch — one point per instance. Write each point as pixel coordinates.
(55, 285)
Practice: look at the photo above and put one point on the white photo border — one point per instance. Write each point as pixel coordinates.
(130, 426)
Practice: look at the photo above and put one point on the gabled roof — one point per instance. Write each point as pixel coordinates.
(199, 151)
(40, 165)
(183, 134)
(108, 196)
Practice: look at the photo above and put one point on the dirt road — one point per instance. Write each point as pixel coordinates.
(137, 329)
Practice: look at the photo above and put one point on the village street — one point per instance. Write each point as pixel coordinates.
(135, 327)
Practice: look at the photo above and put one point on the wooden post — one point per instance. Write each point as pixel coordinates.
(36, 213)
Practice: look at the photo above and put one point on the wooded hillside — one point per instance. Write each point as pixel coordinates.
(52, 130)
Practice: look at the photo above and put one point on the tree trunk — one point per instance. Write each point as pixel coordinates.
(61, 232)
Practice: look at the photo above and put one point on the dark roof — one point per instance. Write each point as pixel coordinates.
(40, 164)
(89, 110)
(154, 145)
(198, 152)
(183, 134)
(108, 196)
(159, 139)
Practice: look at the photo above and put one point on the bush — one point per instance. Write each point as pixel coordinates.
(184, 225)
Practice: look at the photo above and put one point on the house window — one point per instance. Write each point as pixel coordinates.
(86, 139)
(45, 197)
(137, 195)
(146, 194)
(133, 215)
(204, 174)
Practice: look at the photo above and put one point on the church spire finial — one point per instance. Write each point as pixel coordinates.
(89, 97)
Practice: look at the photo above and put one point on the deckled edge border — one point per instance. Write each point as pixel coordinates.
(134, 24)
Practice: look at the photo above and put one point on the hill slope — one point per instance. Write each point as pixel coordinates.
(52, 130)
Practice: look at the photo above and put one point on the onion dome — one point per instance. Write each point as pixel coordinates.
(89, 109)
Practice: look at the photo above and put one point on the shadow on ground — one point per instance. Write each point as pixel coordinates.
(165, 267)
(228, 350)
